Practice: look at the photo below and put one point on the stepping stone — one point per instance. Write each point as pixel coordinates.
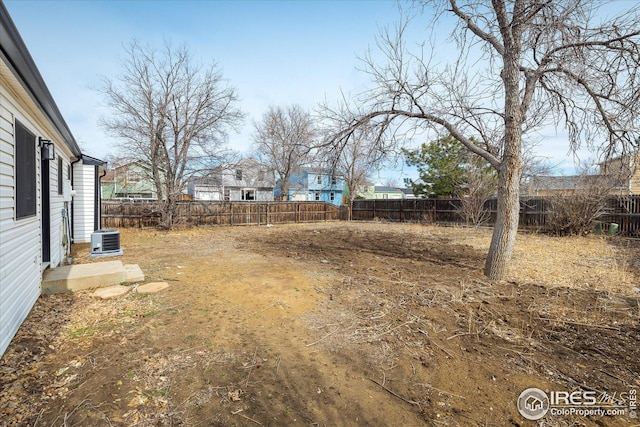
(151, 288)
(111, 292)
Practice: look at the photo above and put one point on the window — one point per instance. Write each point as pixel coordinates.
(334, 180)
(332, 196)
(60, 179)
(319, 179)
(239, 174)
(133, 176)
(317, 195)
(248, 194)
(25, 171)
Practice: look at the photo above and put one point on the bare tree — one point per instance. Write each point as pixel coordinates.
(575, 210)
(522, 65)
(355, 162)
(173, 114)
(480, 184)
(284, 140)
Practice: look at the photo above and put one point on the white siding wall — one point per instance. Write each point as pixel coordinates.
(21, 241)
(20, 248)
(57, 205)
(83, 202)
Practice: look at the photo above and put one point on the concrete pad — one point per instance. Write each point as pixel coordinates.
(83, 276)
(151, 288)
(134, 273)
(111, 292)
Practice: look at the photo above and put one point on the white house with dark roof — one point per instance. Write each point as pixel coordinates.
(246, 180)
(49, 190)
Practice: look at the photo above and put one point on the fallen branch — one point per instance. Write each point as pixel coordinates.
(445, 392)
(244, 416)
(411, 402)
(589, 325)
(278, 365)
(246, 383)
(436, 344)
(375, 337)
(328, 335)
(461, 334)
(277, 302)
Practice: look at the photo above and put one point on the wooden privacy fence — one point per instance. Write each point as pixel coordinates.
(140, 214)
(624, 211)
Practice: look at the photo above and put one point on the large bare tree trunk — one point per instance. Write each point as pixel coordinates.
(510, 170)
(506, 226)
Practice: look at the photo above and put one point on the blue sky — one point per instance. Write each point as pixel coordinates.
(273, 52)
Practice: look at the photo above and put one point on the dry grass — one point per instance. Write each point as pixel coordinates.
(591, 262)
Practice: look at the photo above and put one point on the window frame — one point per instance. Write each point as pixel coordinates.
(132, 176)
(25, 162)
(248, 194)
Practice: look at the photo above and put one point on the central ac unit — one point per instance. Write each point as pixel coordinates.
(105, 243)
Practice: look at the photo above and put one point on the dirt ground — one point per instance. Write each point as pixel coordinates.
(332, 324)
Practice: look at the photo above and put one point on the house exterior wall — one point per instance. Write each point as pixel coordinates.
(264, 195)
(377, 192)
(232, 182)
(20, 253)
(204, 192)
(130, 181)
(24, 97)
(628, 168)
(315, 185)
(21, 240)
(84, 202)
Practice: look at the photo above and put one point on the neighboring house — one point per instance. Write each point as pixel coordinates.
(549, 185)
(247, 180)
(131, 180)
(47, 186)
(371, 191)
(626, 170)
(407, 193)
(315, 184)
(206, 188)
(566, 185)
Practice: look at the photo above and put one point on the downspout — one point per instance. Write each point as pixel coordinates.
(98, 196)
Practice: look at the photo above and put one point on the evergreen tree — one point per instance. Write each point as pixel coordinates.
(440, 166)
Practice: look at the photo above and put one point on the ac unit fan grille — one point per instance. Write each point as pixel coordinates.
(111, 242)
